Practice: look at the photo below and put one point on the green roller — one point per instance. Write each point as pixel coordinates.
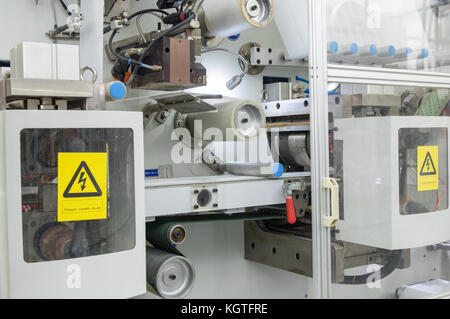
(166, 233)
(433, 104)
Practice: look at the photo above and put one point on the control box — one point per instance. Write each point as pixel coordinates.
(394, 190)
(72, 219)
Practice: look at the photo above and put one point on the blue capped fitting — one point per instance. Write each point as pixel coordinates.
(117, 90)
(425, 53)
(354, 48)
(278, 170)
(373, 49)
(408, 51)
(333, 47)
(391, 50)
(234, 37)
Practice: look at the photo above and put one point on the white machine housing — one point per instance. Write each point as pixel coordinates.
(37, 60)
(111, 275)
(371, 186)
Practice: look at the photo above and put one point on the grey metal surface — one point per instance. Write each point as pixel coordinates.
(359, 255)
(296, 107)
(279, 91)
(287, 252)
(294, 253)
(182, 102)
(376, 100)
(366, 105)
(96, 102)
(35, 94)
(287, 108)
(295, 149)
(22, 88)
(268, 56)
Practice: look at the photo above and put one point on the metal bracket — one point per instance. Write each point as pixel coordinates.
(263, 56)
(205, 198)
(331, 184)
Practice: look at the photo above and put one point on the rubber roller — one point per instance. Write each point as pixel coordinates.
(172, 276)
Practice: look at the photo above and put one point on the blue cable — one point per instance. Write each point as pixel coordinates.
(302, 80)
(329, 92)
(307, 90)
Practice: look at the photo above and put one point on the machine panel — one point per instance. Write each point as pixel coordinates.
(88, 255)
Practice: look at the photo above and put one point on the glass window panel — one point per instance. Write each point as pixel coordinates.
(390, 157)
(400, 34)
(44, 238)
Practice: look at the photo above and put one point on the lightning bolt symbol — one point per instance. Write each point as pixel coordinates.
(82, 180)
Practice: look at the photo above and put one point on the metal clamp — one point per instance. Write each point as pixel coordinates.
(88, 68)
(332, 185)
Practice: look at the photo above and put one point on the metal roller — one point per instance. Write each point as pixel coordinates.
(244, 118)
(227, 18)
(295, 149)
(172, 276)
(165, 236)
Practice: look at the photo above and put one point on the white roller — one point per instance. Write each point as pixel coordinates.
(244, 118)
(229, 17)
(291, 19)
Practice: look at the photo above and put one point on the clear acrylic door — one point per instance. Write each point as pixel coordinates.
(401, 34)
(389, 150)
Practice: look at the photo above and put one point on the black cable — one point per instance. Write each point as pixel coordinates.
(117, 55)
(113, 51)
(146, 11)
(385, 271)
(65, 7)
(152, 43)
(134, 15)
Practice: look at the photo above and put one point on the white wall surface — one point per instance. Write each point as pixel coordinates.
(23, 20)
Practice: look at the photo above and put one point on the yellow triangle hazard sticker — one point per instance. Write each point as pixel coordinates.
(82, 186)
(427, 168)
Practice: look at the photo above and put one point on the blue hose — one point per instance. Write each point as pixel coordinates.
(302, 80)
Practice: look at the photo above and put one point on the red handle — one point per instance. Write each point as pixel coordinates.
(291, 218)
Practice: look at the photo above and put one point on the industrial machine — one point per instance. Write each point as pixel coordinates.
(209, 113)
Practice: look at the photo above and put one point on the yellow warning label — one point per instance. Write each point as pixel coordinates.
(427, 168)
(82, 186)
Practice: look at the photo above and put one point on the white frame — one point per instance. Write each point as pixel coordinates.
(322, 73)
(116, 275)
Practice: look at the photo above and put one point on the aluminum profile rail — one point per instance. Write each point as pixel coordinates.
(388, 77)
(319, 147)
